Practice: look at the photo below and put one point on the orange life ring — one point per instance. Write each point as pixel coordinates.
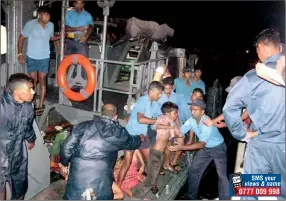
(62, 78)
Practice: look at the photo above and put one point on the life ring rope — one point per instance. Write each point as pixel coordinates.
(63, 82)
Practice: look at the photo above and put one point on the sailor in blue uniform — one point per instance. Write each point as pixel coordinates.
(265, 103)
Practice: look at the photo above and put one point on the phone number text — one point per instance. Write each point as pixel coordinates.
(257, 191)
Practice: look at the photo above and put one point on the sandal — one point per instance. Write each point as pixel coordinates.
(170, 168)
(39, 111)
(40, 108)
(161, 172)
(176, 167)
(154, 189)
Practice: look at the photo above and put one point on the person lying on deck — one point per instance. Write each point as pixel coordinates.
(166, 130)
(117, 192)
(133, 175)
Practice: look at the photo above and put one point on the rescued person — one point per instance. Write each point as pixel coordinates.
(92, 149)
(169, 95)
(144, 113)
(16, 134)
(210, 147)
(133, 175)
(265, 103)
(166, 130)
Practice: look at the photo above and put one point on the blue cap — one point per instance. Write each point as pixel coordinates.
(187, 69)
(199, 103)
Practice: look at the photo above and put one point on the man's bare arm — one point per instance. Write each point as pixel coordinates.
(161, 126)
(55, 38)
(89, 31)
(70, 29)
(191, 134)
(188, 147)
(218, 119)
(21, 43)
(145, 120)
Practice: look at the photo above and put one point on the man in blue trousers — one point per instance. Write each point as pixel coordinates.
(265, 103)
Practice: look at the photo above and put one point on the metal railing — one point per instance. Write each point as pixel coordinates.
(143, 71)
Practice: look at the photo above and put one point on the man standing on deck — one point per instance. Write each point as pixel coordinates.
(39, 33)
(92, 149)
(80, 23)
(144, 113)
(16, 134)
(210, 147)
(265, 103)
(196, 81)
(183, 85)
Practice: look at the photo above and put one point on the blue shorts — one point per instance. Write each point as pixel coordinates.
(38, 65)
(146, 144)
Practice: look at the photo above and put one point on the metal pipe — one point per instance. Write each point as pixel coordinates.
(102, 56)
(130, 90)
(63, 29)
(128, 63)
(95, 90)
(120, 91)
(64, 3)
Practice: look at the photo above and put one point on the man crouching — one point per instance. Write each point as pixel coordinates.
(92, 150)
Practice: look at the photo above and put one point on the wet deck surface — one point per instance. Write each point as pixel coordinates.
(174, 182)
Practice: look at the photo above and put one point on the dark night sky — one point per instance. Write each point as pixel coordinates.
(218, 25)
(202, 24)
(206, 24)
(223, 26)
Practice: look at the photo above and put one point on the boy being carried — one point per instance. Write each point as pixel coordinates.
(166, 130)
(178, 99)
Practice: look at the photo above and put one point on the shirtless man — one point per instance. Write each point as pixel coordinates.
(166, 130)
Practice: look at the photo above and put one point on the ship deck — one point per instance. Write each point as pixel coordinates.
(174, 181)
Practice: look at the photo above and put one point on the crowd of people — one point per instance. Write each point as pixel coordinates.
(157, 126)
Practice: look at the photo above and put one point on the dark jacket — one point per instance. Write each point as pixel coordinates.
(92, 149)
(16, 127)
